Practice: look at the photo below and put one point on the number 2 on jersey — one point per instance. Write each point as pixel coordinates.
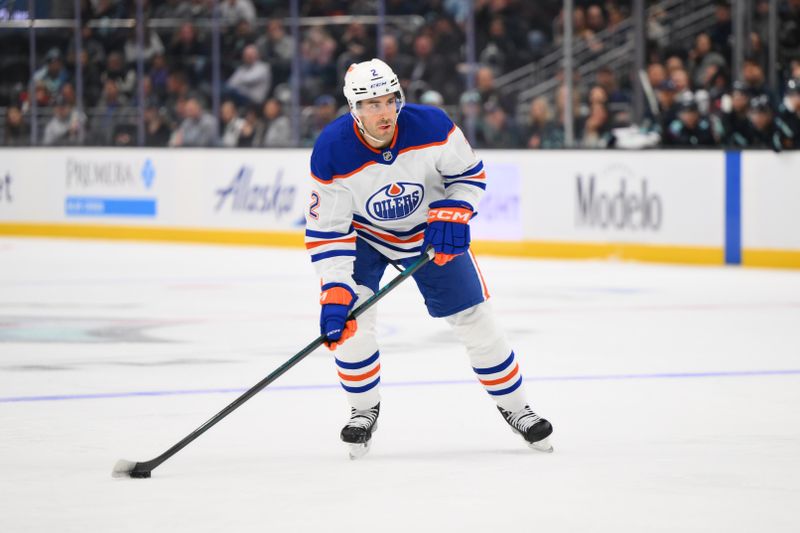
(312, 210)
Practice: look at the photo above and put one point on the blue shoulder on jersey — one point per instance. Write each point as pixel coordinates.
(338, 152)
(420, 125)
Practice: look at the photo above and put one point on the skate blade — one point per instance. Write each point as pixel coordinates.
(541, 445)
(357, 451)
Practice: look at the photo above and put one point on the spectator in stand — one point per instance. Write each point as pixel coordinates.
(665, 94)
(701, 57)
(497, 130)
(755, 81)
(789, 111)
(276, 131)
(118, 72)
(189, 52)
(68, 93)
(276, 48)
(680, 79)
(690, 129)
(674, 62)
(177, 91)
(720, 32)
(356, 45)
(233, 11)
(323, 113)
(432, 71)
(250, 83)
(656, 74)
(768, 131)
(52, 76)
(66, 128)
(156, 130)
(484, 84)
(540, 126)
(596, 127)
(152, 45)
(605, 78)
(401, 63)
(17, 132)
(92, 78)
(251, 128)
(731, 125)
(198, 129)
(318, 63)
(233, 44)
(107, 115)
(789, 32)
(159, 75)
(500, 51)
(232, 124)
(433, 98)
(94, 48)
(470, 109)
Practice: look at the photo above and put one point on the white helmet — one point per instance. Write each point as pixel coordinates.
(369, 79)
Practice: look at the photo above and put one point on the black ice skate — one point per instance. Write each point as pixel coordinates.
(357, 434)
(533, 428)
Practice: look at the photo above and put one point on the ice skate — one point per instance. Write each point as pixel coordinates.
(533, 428)
(357, 433)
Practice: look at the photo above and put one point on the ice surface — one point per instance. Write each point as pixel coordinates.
(674, 393)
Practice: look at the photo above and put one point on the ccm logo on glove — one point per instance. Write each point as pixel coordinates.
(448, 229)
(451, 215)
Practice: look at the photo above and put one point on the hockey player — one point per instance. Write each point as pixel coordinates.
(390, 179)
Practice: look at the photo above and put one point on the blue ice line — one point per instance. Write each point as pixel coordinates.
(599, 377)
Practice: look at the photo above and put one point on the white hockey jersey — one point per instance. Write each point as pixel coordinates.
(382, 196)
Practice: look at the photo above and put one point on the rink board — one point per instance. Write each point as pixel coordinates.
(660, 206)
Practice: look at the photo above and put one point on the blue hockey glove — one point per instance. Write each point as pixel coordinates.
(337, 299)
(448, 229)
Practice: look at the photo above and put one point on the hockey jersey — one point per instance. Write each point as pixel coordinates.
(382, 196)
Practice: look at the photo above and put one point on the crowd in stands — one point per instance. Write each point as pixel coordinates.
(695, 100)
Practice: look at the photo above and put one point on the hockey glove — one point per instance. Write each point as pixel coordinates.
(337, 299)
(448, 229)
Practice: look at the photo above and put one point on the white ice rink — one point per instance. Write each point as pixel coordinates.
(674, 393)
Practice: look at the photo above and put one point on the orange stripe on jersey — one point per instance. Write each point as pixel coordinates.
(480, 275)
(310, 245)
(421, 146)
(360, 377)
(391, 238)
(369, 146)
(490, 382)
(359, 169)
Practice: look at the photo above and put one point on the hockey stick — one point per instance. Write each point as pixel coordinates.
(125, 468)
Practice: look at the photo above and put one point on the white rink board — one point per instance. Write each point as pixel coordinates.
(236, 189)
(667, 198)
(771, 200)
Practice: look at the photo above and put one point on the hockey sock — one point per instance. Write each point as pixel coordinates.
(492, 359)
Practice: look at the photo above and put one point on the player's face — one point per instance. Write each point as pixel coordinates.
(378, 117)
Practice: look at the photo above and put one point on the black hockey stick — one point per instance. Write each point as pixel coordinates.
(125, 468)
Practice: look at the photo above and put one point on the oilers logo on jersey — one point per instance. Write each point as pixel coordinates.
(395, 201)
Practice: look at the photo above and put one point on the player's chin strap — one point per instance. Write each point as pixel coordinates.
(364, 131)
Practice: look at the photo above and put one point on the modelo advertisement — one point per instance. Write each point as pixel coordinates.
(642, 197)
(771, 201)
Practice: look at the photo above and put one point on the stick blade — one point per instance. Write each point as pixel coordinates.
(125, 468)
